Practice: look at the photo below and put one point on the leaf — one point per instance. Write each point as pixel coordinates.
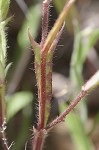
(7, 68)
(33, 21)
(36, 48)
(2, 47)
(58, 24)
(17, 102)
(69, 19)
(4, 6)
(76, 64)
(91, 41)
(76, 55)
(2, 75)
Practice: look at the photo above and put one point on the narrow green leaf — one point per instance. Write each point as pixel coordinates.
(76, 55)
(7, 68)
(17, 102)
(69, 19)
(33, 21)
(76, 65)
(36, 48)
(4, 6)
(91, 41)
(2, 75)
(3, 47)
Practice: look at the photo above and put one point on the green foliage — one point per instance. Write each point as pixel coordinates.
(3, 49)
(83, 42)
(32, 21)
(79, 56)
(77, 130)
(1, 72)
(4, 6)
(17, 102)
(72, 14)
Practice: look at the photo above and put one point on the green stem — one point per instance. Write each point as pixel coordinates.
(2, 105)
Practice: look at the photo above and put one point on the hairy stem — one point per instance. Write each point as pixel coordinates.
(45, 21)
(43, 57)
(38, 140)
(67, 111)
(2, 105)
(92, 83)
(57, 25)
(42, 93)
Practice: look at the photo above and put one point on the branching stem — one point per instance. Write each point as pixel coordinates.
(68, 110)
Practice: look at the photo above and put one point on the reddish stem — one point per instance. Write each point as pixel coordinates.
(43, 65)
(51, 36)
(37, 143)
(68, 110)
(42, 92)
(1, 119)
(45, 21)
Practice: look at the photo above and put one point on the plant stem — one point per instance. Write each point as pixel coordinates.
(42, 93)
(57, 25)
(38, 140)
(67, 111)
(44, 63)
(2, 105)
(45, 21)
(42, 89)
(92, 83)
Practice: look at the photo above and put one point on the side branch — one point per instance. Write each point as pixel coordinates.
(68, 110)
(92, 83)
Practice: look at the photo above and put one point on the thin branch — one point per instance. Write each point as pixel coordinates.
(92, 83)
(68, 110)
